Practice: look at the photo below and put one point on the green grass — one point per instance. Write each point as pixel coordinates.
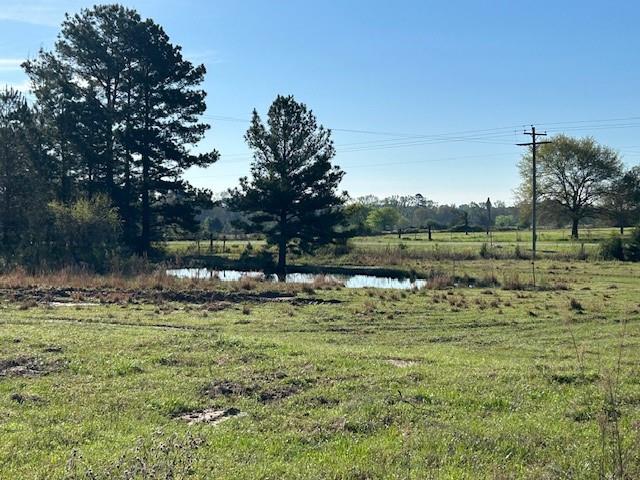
(458, 383)
(552, 243)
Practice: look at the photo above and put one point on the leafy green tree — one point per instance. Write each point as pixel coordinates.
(356, 214)
(62, 123)
(384, 218)
(86, 231)
(505, 221)
(622, 201)
(292, 196)
(574, 175)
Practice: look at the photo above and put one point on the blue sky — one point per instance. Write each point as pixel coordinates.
(442, 89)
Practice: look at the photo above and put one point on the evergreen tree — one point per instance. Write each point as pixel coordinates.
(292, 196)
(167, 105)
(23, 186)
(122, 107)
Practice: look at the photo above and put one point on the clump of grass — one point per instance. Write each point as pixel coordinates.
(326, 282)
(26, 305)
(575, 305)
(247, 283)
(487, 280)
(512, 281)
(308, 288)
(439, 282)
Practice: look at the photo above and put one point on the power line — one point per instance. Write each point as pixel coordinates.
(408, 162)
(534, 193)
(577, 124)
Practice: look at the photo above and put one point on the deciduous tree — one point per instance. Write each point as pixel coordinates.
(574, 175)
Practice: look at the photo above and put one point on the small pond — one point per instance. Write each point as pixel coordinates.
(349, 281)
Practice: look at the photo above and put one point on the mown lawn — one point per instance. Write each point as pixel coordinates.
(354, 384)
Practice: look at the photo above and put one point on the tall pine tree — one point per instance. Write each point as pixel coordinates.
(123, 107)
(167, 104)
(23, 174)
(292, 196)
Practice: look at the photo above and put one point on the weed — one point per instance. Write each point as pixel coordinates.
(575, 305)
(162, 456)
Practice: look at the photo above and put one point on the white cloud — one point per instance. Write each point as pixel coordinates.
(38, 12)
(10, 64)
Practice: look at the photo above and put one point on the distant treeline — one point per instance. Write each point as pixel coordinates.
(372, 215)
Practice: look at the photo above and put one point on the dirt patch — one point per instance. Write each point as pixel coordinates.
(27, 367)
(227, 388)
(397, 362)
(279, 392)
(265, 389)
(31, 296)
(211, 416)
(22, 398)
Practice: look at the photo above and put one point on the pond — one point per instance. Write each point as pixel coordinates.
(349, 281)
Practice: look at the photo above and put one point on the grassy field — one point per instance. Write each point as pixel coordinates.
(447, 383)
(552, 243)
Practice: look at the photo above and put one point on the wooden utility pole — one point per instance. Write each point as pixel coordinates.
(488, 205)
(534, 189)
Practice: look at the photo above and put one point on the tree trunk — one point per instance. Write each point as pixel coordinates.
(282, 258)
(145, 239)
(282, 248)
(574, 229)
(429, 232)
(621, 229)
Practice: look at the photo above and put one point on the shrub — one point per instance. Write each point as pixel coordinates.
(85, 232)
(612, 248)
(632, 251)
(487, 280)
(615, 248)
(343, 246)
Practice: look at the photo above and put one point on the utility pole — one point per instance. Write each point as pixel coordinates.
(534, 189)
(488, 205)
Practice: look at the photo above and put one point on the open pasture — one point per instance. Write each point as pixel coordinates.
(321, 382)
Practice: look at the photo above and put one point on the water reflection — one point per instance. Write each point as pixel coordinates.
(349, 281)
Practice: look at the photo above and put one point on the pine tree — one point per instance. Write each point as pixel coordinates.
(122, 107)
(22, 173)
(292, 196)
(167, 105)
